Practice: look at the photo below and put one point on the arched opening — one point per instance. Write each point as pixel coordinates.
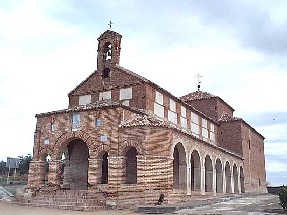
(195, 171)
(235, 179)
(108, 51)
(78, 164)
(228, 177)
(208, 174)
(219, 176)
(179, 167)
(104, 166)
(46, 171)
(131, 166)
(106, 73)
(242, 180)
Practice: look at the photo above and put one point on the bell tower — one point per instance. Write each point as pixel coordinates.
(109, 49)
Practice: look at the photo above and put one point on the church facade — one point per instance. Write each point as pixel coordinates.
(131, 140)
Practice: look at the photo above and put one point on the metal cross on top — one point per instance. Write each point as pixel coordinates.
(110, 24)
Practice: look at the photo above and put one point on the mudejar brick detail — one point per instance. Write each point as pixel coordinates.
(127, 140)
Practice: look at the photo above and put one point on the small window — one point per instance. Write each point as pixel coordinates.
(107, 95)
(249, 144)
(172, 116)
(159, 110)
(99, 122)
(103, 138)
(106, 73)
(86, 99)
(46, 141)
(204, 123)
(76, 120)
(172, 105)
(183, 111)
(158, 98)
(53, 127)
(194, 118)
(126, 93)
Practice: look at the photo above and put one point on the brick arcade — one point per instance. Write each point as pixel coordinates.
(130, 140)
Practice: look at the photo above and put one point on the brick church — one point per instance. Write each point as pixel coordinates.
(129, 140)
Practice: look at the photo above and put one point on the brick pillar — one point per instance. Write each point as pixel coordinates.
(202, 184)
(223, 180)
(54, 172)
(214, 182)
(232, 182)
(182, 175)
(66, 175)
(36, 174)
(94, 176)
(116, 172)
(188, 185)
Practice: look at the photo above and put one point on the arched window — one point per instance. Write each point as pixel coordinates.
(106, 73)
(105, 172)
(131, 166)
(108, 51)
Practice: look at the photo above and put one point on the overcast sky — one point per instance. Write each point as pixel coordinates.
(239, 47)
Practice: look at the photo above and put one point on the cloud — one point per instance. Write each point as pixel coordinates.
(249, 23)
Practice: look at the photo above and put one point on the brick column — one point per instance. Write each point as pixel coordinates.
(94, 170)
(54, 172)
(66, 175)
(116, 171)
(214, 182)
(188, 177)
(202, 184)
(36, 174)
(232, 182)
(223, 180)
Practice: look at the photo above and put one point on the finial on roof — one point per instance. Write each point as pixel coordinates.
(110, 24)
(198, 81)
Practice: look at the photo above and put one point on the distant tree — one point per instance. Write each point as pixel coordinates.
(24, 163)
(3, 168)
(283, 197)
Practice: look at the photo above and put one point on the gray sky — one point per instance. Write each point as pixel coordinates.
(239, 47)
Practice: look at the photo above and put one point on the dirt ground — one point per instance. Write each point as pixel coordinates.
(247, 205)
(12, 209)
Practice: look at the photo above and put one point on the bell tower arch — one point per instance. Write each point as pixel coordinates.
(109, 48)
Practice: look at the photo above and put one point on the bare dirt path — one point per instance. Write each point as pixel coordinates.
(12, 209)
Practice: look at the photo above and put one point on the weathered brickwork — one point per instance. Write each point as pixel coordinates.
(127, 140)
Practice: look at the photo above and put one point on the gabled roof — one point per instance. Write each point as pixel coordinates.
(200, 95)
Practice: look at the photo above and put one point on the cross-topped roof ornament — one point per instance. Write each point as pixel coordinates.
(110, 24)
(198, 81)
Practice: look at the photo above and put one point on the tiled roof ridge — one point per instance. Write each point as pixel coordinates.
(98, 104)
(227, 118)
(197, 95)
(142, 119)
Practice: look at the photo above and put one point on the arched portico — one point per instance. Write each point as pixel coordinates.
(195, 171)
(130, 164)
(228, 177)
(179, 167)
(78, 164)
(219, 176)
(242, 180)
(208, 174)
(103, 167)
(235, 179)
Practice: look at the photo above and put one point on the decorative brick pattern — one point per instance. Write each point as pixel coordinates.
(145, 155)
